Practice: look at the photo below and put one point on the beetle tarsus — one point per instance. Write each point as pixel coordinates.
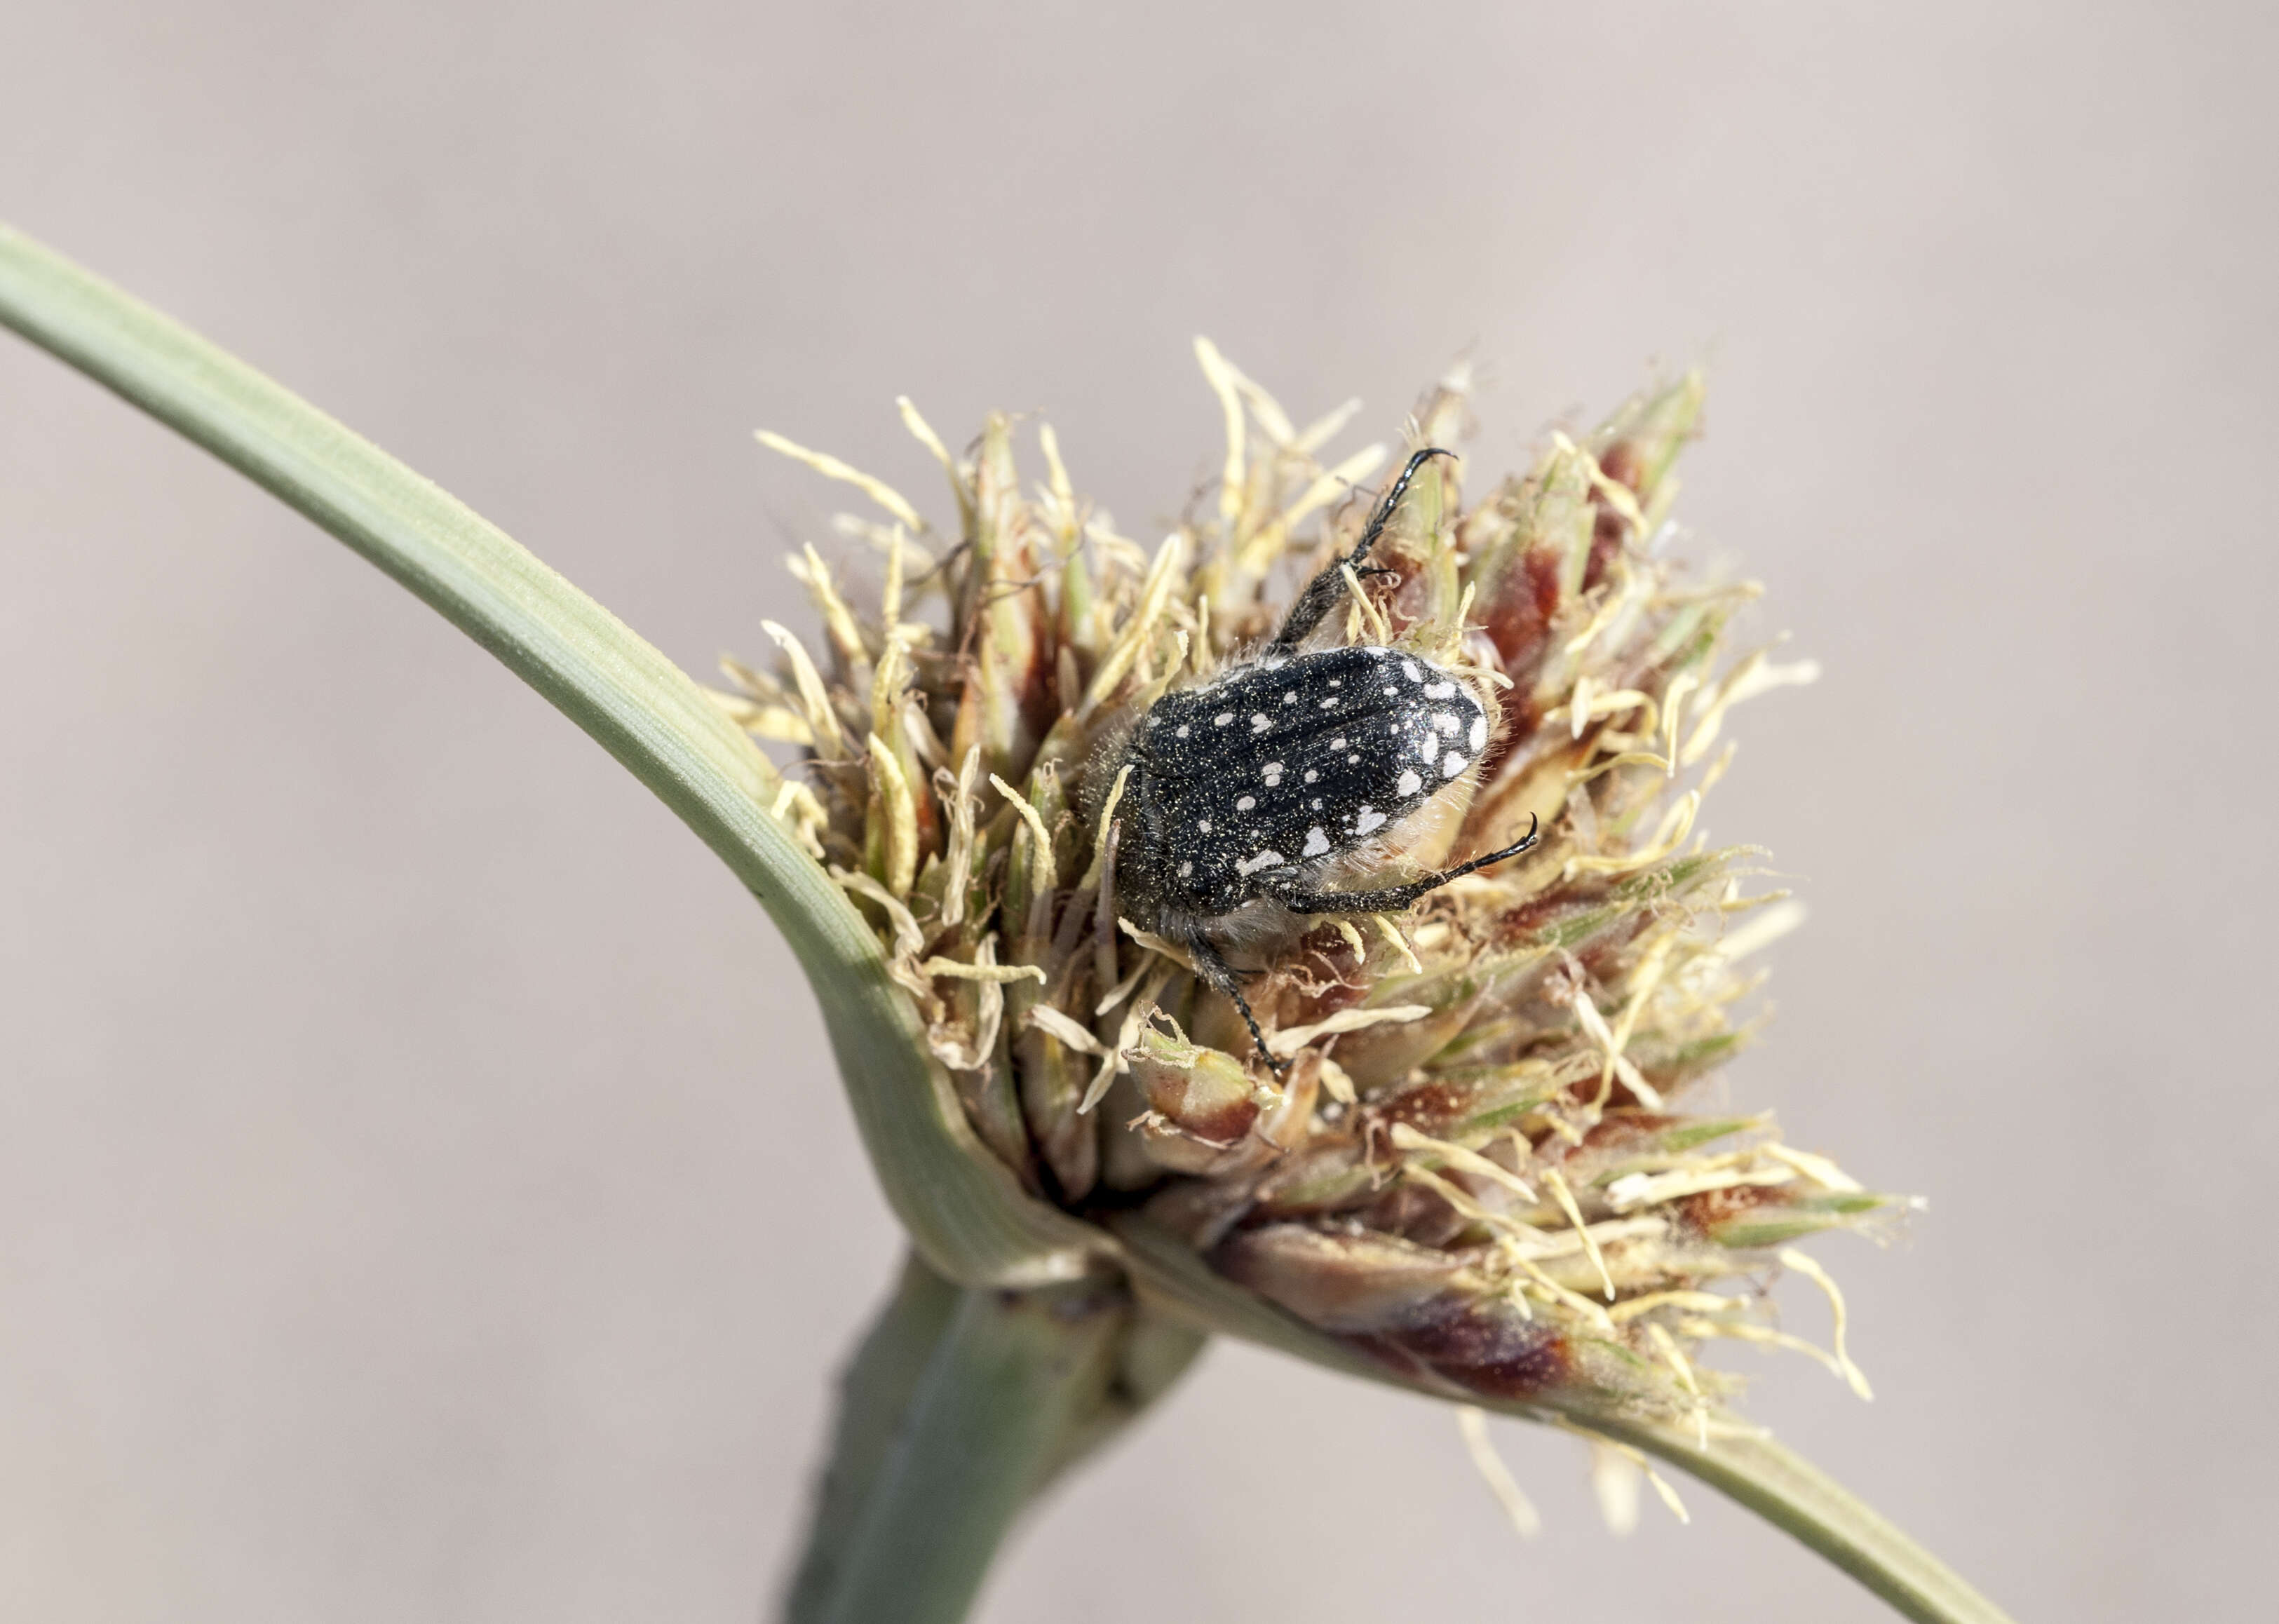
(1221, 976)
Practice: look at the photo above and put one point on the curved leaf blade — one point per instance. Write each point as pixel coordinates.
(963, 1210)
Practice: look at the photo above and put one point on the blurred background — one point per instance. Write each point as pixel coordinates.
(424, 1192)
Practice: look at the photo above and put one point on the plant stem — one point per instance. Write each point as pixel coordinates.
(956, 1408)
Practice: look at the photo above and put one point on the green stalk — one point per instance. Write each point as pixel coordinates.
(956, 1409)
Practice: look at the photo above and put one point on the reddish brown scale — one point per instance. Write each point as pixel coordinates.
(1483, 1347)
(1517, 620)
(1217, 1121)
(1705, 1212)
(1622, 464)
(1426, 1104)
(1626, 1128)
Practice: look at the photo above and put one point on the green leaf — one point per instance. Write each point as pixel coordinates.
(963, 1209)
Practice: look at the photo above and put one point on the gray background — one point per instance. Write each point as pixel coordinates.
(422, 1191)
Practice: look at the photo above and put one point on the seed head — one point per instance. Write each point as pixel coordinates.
(1478, 1167)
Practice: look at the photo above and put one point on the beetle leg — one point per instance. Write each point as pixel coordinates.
(1214, 969)
(1314, 604)
(1394, 896)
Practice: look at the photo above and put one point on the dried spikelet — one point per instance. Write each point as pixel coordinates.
(1477, 1167)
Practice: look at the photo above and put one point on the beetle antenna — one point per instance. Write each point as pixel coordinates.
(1321, 594)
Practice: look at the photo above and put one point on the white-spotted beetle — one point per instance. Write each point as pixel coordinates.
(1242, 792)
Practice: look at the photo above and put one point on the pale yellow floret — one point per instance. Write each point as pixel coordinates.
(1040, 841)
(982, 970)
(1289, 1041)
(1140, 630)
(902, 817)
(1260, 550)
(814, 697)
(1616, 1065)
(1221, 377)
(908, 937)
(1810, 1268)
(1472, 1424)
(1637, 1190)
(1157, 945)
(1107, 818)
(808, 570)
(1615, 1469)
(1326, 427)
(1670, 834)
(1752, 676)
(1062, 491)
(1754, 935)
(962, 804)
(1819, 1169)
(1619, 591)
(1044, 1018)
(1405, 1138)
(890, 596)
(1700, 1302)
(923, 433)
(831, 468)
(1374, 629)
(1127, 1037)
(1391, 931)
(1613, 492)
(1672, 1355)
(1565, 1197)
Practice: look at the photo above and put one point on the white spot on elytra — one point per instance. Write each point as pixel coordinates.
(1350, 760)
(1272, 772)
(1337, 682)
(1256, 860)
(1311, 775)
(1446, 723)
(1246, 803)
(1408, 670)
(1392, 691)
(1257, 721)
(1453, 765)
(1409, 783)
(1370, 818)
(1291, 698)
(1338, 743)
(1182, 732)
(1317, 842)
(1330, 702)
(1439, 690)
(1479, 733)
(1186, 868)
(1316, 804)
(1428, 747)
(1204, 825)
(1223, 718)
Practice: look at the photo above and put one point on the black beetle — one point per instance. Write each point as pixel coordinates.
(1241, 791)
